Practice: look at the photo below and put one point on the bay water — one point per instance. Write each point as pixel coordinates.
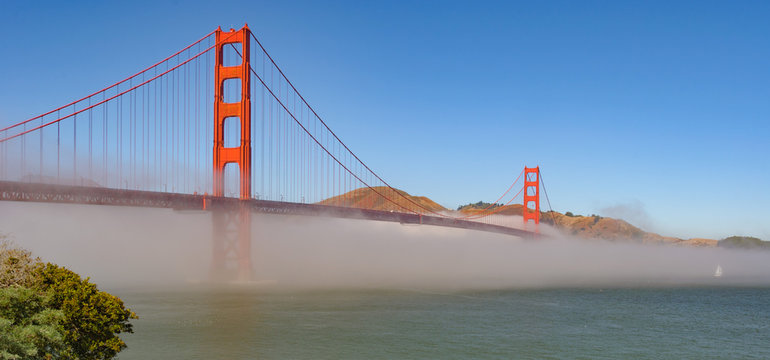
(247, 322)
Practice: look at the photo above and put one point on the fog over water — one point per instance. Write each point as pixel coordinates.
(122, 246)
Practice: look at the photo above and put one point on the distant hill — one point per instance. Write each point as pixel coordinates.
(597, 227)
(366, 198)
(744, 242)
(588, 227)
(479, 205)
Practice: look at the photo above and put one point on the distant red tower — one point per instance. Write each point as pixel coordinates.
(531, 209)
(232, 226)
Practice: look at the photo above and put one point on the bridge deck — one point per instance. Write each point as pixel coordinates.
(36, 192)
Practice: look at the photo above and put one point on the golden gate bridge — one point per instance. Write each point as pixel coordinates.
(217, 126)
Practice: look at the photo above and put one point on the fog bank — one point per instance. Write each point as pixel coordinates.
(120, 246)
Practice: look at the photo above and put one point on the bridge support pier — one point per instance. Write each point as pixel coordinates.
(232, 243)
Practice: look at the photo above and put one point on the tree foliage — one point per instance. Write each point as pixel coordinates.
(17, 266)
(48, 311)
(92, 318)
(29, 328)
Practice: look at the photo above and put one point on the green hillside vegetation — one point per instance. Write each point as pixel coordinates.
(479, 205)
(50, 312)
(744, 242)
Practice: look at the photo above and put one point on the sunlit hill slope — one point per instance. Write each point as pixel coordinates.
(589, 227)
(592, 227)
(375, 199)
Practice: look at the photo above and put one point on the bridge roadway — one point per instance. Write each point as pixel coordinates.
(49, 193)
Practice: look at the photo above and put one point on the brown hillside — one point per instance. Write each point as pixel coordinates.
(588, 227)
(596, 227)
(514, 209)
(375, 199)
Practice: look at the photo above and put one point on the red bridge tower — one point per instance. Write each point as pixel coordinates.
(531, 209)
(232, 227)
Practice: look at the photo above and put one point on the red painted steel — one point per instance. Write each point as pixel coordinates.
(69, 194)
(232, 227)
(241, 154)
(531, 195)
(135, 76)
(146, 122)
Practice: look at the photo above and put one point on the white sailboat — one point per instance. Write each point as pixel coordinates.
(718, 272)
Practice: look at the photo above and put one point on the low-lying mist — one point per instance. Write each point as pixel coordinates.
(120, 246)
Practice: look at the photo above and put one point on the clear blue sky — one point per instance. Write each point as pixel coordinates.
(658, 112)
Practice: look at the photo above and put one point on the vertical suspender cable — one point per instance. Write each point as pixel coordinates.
(206, 103)
(90, 140)
(75, 144)
(118, 125)
(197, 122)
(553, 219)
(186, 127)
(23, 144)
(41, 148)
(104, 139)
(262, 185)
(58, 146)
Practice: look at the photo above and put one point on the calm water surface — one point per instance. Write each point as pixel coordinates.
(247, 323)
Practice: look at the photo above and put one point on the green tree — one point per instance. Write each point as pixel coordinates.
(28, 328)
(92, 318)
(49, 311)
